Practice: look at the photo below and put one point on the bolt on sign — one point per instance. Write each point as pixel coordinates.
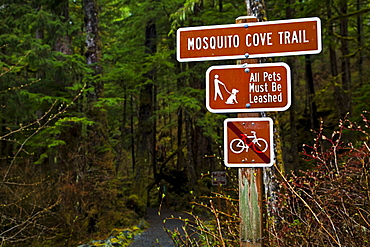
(248, 142)
(249, 40)
(248, 88)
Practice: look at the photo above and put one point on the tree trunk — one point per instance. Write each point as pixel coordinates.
(124, 133)
(146, 128)
(132, 132)
(100, 155)
(311, 94)
(345, 65)
(93, 49)
(360, 41)
(190, 168)
(154, 131)
(180, 155)
(220, 6)
(291, 61)
(341, 87)
(63, 43)
(256, 8)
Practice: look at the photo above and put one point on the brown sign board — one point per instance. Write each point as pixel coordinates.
(248, 142)
(248, 88)
(249, 40)
(219, 178)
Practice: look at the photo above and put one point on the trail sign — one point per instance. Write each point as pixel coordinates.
(219, 177)
(248, 142)
(248, 88)
(251, 40)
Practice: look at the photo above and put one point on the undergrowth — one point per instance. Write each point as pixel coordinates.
(329, 204)
(326, 205)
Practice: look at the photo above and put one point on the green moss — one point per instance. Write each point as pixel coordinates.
(134, 202)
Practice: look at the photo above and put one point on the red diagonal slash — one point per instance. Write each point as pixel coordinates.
(240, 134)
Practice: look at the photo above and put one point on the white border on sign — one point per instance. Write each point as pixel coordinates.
(241, 56)
(271, 143)
(258, 65)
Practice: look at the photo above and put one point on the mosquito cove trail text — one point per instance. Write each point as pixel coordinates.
(252, 40)
(249, 40)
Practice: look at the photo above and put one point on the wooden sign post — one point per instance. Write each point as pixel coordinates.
(248, 142)
(250, 186)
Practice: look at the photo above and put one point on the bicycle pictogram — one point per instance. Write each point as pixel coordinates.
(259, 145)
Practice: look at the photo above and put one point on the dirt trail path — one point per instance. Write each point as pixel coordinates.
(155, 234)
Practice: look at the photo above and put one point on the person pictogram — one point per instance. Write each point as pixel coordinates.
(217, 88)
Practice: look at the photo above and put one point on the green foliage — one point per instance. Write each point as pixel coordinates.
(136, 204)
(211, 124)
(361, 98)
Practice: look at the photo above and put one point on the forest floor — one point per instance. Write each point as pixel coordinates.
(155, 235)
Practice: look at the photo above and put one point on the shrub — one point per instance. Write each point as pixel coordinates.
(138, 205)
(328, 205)
(214, 219)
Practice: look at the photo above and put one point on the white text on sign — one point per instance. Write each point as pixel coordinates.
(252, 40)
(256, 39)
(260, 92)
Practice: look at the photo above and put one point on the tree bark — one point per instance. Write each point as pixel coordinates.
(190, 168)
(311, 93)
(360, 40)
(98, 133)
(341, 80)
(147, 125)
(180, 155)
(291, 61)
(345, 64)
(220, 6)
(63, 43)
(132, 132)
(333, 62)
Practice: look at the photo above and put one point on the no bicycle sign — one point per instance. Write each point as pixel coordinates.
(248, 142)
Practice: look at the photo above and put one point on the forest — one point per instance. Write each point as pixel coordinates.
(98, 121)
